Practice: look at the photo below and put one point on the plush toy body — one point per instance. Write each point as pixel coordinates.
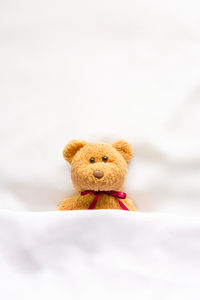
(98, 171)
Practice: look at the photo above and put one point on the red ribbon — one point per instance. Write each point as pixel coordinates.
(117, 195)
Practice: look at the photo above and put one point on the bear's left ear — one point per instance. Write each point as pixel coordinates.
(124, 149)
(72, 148)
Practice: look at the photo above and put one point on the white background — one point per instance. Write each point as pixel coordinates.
(100, 71)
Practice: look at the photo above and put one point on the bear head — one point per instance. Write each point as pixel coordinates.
(98, 166)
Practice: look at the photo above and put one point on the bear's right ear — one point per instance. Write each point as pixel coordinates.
(124, 149)
(71, 149)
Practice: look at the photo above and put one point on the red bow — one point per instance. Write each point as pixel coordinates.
(117, 195)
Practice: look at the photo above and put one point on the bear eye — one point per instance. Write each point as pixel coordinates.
(92, 160)
(105, 158)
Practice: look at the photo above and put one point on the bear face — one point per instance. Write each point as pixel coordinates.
(98, 166)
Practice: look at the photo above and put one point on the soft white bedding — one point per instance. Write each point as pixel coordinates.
(100, 71)
(99, 254)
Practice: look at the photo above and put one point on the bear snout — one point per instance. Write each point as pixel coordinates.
(98, 174)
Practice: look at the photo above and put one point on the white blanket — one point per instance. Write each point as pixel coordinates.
(100, 71)
(99, 255)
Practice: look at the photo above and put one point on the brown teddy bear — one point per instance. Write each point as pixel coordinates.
(98, 171)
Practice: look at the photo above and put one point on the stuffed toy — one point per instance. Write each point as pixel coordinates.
(98, 171)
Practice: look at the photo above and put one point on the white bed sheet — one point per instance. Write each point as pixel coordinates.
(99, 254)
(100, 71)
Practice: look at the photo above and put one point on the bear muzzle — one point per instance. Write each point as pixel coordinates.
(98, 174)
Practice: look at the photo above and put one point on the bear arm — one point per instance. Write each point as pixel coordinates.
(66, 204)
(129, 204)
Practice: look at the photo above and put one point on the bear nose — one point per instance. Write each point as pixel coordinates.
(98, 174)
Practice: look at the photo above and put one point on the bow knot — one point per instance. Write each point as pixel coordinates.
(117, 195)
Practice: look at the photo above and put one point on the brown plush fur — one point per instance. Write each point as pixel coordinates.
(78, 153)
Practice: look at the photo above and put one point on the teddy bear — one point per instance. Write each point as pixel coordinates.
(98, 171)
